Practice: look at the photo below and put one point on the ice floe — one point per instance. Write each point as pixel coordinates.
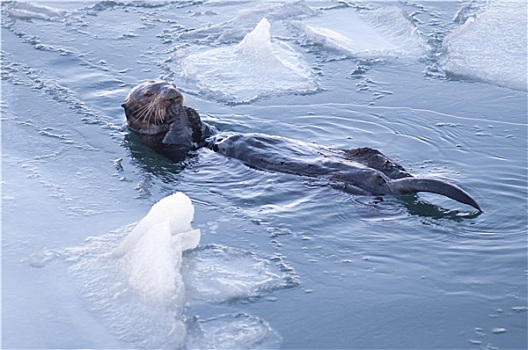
(232, 331)
(233, 30)
(140, 279)
(376, 33)
(218, 273)
(491, 46)
(256, 67)
(29, 11)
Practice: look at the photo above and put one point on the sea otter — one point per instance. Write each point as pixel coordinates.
(155, 110)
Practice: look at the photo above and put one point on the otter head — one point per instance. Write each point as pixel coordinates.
(155, 110)
(152, 106)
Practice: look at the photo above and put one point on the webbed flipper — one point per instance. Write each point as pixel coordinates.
(412, 185)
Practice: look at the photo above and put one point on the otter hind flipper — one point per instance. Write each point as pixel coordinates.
(412, 185)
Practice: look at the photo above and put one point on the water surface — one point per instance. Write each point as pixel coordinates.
(402, 272)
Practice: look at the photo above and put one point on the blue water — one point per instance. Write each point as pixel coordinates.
(405, 272)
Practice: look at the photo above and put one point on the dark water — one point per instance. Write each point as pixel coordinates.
(404, 272)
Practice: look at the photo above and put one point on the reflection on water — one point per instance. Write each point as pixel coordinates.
(417, 206)
(159, 163)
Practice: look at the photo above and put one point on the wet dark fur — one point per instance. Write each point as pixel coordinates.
(363, 171)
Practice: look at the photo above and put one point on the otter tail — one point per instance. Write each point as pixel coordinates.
(412, 185)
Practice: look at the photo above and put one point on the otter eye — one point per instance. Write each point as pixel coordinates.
(147, 93)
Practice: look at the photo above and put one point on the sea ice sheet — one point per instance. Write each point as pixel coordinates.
(238, 331)
(245, 20)
(139, 281)
(29, 11)
(218, 273)
(379, 33)
(491, 46)
(255, 67)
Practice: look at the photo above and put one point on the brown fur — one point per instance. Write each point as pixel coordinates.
(148, 106)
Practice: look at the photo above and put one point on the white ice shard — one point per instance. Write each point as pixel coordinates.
(491, 46)
(152, 253)
(381, 33)
(255, 67)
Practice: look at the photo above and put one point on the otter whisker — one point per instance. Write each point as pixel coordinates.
(153, 111)
(159, 110)
(142, 111)
(161, 114)
(150, 113)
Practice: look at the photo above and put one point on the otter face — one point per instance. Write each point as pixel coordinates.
(150, 107)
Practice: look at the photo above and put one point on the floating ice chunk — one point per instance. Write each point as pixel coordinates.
(330, 38)
(138, 281)
(152, 252)
(257, 43)
(240, 331)
(253, 68)
(136, 320)
(24, 10)
(40, 258)
(132, 276)
(491, 46)
(216, 273)
(245, 20)
(177, 209)
(380, 33)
